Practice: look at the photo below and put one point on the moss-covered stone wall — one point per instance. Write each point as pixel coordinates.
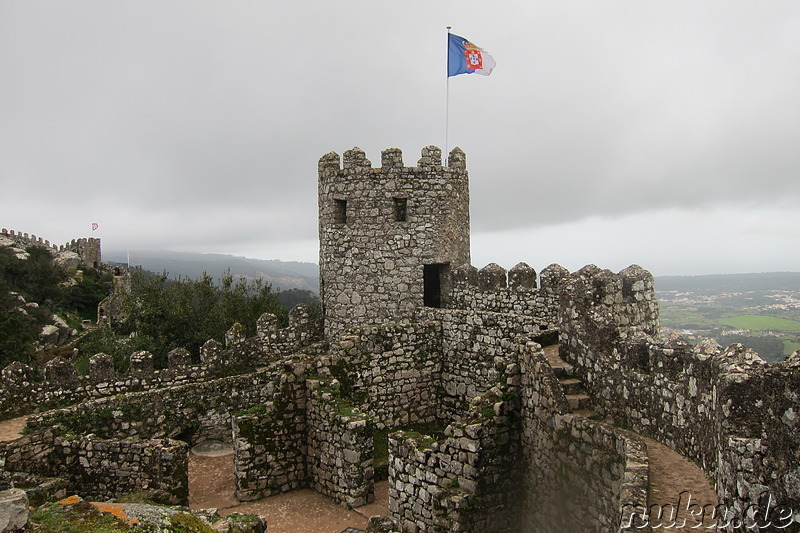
(101, 469)
(271, 443)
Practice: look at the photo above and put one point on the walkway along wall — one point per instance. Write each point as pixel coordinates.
(579, 474)
(728, 410)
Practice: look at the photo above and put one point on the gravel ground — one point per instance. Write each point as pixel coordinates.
(672, 474)
(12, 429)
(211, 485)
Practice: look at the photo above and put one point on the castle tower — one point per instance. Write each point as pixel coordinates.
(389, 236)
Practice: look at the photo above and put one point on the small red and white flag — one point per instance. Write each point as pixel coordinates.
(94, 226)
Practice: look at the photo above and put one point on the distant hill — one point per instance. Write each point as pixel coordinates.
(283, 275)
(718, 283)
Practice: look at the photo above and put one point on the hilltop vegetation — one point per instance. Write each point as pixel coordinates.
(282, 275)
(34, 289)
(157, 314)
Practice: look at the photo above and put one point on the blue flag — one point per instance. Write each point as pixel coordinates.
(463, 57)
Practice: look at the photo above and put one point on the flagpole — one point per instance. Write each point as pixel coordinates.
(447, 103)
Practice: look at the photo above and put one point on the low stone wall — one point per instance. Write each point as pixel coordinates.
(467, 480)
(102, 469)
(40, 489)
(340, 447)
(271, 445)
(193, 412)
(23, 390)
(308, 435)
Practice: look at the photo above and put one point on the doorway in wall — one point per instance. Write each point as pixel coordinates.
(436, 284)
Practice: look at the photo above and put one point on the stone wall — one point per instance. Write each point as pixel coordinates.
(193, 412)
(390, 372)
(270, 443)
(102, 469)
(727, 410)
(340, 447)
(23, 390)
(380, 227)
(39, 489)
(579, 474)
(464, 482)
(477, 349)
(514, 292)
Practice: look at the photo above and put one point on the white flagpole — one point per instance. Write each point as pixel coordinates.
(447, 103)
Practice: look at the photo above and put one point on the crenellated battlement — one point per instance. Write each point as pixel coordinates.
(722, 408)
(354, 163)
(23, 389)
(27, 240)
(622, 300)
(88, 249)
(518, 291)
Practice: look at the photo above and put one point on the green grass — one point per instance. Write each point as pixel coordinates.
(790, 347)
(677, 318)
(79, 518)
(761, 323)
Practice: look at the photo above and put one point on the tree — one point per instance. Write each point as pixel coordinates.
(185, 313)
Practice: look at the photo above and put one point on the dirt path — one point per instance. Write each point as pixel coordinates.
(673, 481)
(211, 485)
(12, 429)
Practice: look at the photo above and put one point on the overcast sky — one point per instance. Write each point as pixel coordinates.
(663, 133)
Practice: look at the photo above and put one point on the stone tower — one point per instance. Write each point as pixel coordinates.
(389, 236)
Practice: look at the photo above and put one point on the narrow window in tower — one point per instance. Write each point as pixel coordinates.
(400, 209)
(340, 211)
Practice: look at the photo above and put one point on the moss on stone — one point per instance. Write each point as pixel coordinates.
(186, 523)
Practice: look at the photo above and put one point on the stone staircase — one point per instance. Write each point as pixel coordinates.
(670, 474)
(579, 401)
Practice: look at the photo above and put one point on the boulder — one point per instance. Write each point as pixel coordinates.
(13, 510)
(67, 260)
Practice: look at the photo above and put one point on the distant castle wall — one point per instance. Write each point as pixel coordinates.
(88, 249)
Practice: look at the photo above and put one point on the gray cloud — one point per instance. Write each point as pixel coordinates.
(197, 125)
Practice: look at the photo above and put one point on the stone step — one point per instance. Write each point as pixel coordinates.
(587, 413)
(571, 385)
(578, 401)
(562, 370)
